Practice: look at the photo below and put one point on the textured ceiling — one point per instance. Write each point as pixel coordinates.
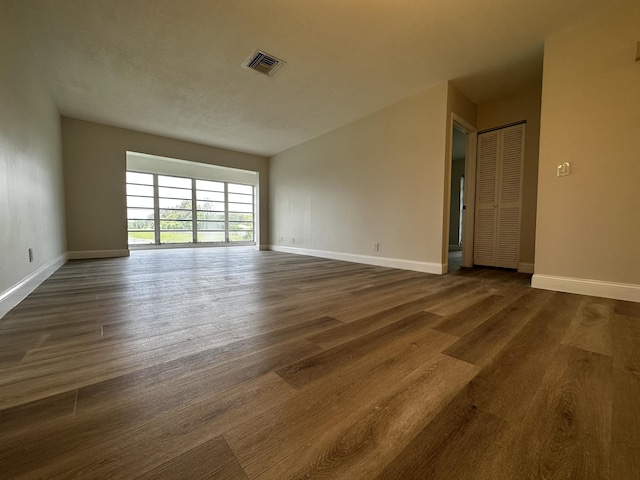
(173, 67)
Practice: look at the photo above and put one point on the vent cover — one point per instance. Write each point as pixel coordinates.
(263, 62)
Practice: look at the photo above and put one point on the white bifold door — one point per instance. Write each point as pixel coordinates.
(499, 197)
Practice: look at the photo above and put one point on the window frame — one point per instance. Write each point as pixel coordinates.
(157, 220)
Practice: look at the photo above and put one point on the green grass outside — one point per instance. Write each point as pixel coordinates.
(145, 238)
(166, 237)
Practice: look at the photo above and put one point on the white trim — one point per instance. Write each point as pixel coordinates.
(469, 212)
(525, 267)
(84, 254)
(582, 286)
(18, 292)
(426, 267)
(263, 247)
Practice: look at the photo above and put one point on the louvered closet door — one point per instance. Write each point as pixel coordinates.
(484, 248)
(499, 197)
(510, 196)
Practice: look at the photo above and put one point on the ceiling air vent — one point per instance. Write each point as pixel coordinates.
(263, 63)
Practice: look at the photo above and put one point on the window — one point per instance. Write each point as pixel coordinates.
(240, 210)
(141, 219)
(164, 209)
(175, 209)
(211, 211)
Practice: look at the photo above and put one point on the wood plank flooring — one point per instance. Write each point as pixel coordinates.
(239, 364)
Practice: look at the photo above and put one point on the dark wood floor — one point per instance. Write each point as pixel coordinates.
(236, 364)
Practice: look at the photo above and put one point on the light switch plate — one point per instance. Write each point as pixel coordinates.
(564, 169)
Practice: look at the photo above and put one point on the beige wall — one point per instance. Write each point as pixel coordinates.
(589, 222)
(94, 175)
(522, 107)
(31, 187)
(378, 179)
(459, 103)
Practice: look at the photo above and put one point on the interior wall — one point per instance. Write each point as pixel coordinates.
(378, 179)
(522, 107)
(459, 103)
(588, 224)
(182, 168)
(94, 173)
(31, 184)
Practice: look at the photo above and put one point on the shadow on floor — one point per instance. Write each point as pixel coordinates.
(488, 273)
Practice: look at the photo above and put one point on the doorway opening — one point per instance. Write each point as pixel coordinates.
(457, 246)
(456, 204)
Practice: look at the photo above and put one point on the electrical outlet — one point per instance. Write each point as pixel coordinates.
(293, 240)
(30, 255)
(376, 246)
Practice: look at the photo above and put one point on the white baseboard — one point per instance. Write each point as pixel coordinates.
(18, 292)
(85, 254)
(595, 288)
(525, 267)
(402, 264)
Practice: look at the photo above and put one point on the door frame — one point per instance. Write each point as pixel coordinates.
(458, 122)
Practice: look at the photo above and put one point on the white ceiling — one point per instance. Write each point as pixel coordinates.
(173, 67)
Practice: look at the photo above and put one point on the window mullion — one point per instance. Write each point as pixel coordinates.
(226, 211)
(156, 209)
(194, 211)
